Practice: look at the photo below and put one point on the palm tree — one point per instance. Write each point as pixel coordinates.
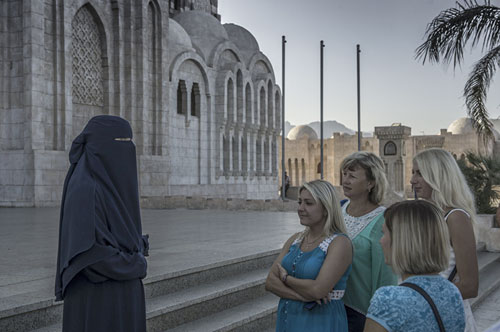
(446, 37)
(483, 175)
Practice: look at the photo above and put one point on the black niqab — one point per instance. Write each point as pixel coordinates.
(103, 174)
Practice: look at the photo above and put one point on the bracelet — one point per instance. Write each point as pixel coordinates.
(284, 278)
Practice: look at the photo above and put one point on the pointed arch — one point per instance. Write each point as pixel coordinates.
(89, 75)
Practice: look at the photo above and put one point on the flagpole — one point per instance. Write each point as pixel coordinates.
(283, 191)
(321, 47)
(358, 51)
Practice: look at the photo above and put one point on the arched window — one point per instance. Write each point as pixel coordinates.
(248, 103)
(318, 168)
(262, 107)
(181, 97)
(230, 101)
(195, 100)
(390, 149)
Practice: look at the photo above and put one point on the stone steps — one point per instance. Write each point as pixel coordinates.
(489, 272)
(172, 299)
(224, 296)
(255, 315)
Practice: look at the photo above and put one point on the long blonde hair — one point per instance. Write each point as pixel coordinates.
(323, 192)
(449, 187)
(420, 243)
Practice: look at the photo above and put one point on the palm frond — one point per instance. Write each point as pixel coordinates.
(450, 31)
(475, 92)
(481, 173)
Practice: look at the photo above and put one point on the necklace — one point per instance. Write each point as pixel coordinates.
(309, 243)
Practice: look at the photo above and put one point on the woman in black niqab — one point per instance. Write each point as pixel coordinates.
(101, 248)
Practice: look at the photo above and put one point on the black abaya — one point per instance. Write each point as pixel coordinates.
(101, 250)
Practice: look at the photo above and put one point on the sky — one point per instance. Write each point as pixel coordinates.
(395, 87)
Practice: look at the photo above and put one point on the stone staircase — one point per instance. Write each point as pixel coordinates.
(224, 296)
(489, 276)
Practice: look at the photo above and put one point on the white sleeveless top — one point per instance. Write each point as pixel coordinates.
(470, 323)
(451, 263)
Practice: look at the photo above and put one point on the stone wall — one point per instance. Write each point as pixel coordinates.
(203, 111)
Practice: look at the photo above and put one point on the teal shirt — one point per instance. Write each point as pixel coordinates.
(369, 271)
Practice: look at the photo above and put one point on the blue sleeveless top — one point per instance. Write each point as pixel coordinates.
(292, 315)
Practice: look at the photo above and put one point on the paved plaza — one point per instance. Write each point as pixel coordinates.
(180, 239)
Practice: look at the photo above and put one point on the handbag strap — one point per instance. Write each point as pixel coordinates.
(429, 300)
(453, 274)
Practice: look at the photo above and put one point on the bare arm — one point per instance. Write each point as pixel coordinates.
(373, 326)
(464, 245)
(273, 282)
(336, 262)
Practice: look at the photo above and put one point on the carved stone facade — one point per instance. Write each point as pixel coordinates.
(392, 150)
(394, 144)
(303, 154)
(201, 97)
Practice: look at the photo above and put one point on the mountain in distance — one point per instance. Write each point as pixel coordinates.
(329, 127)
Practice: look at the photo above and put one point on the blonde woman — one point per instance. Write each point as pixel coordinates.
(364, 184)
(416, 244)
(436, 177)
(311, 271)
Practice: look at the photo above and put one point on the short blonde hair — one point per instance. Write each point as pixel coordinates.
(449, 187)
(420, 243)
(324, 193)
(374, 170)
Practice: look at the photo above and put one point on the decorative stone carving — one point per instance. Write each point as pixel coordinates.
(87, 60)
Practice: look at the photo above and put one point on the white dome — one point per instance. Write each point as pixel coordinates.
(461, 126)
(496, 124)
(242, 38)
(178, 38)
(303, 131)
(205, 31)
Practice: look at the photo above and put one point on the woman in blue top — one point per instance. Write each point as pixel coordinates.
(416, 244)
(311, 271)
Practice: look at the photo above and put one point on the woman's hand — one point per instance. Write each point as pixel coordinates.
(282, 273)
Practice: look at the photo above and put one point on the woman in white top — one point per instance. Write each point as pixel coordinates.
(436, 177)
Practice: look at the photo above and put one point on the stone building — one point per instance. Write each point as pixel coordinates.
(394, 144)
(303, 154)
(201, 97)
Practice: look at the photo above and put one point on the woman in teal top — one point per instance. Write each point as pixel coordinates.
(364, 184)
(311, 271)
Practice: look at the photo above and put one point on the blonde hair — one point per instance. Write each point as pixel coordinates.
(324, 193)
(374, 170)
(420, 243)
(449, 187)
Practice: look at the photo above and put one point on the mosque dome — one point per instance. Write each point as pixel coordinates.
(242, 38)
(205, 31)
(178, 38)
(496, 124)
(461, 126)
(303, 131)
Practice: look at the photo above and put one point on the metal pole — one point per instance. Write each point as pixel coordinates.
(321, 46)
(358, 51)
(283, 41)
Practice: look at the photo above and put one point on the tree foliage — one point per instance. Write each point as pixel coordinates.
(482, 174)
(446, 38)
